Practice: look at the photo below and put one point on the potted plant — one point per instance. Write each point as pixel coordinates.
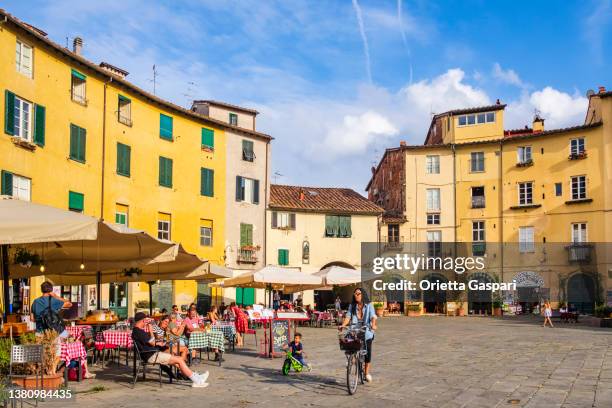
(460, 311)
(379, 307)
(27, 372)
(497, 307)
(413, 309)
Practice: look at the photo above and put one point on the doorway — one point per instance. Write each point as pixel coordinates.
(118, 299)
(435, 300)
(581, 293)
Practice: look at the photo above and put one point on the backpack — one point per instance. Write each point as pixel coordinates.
(51, 320)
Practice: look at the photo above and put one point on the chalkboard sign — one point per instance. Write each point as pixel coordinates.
(280, 335)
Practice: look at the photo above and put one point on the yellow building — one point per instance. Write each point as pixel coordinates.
(535, 202)
(79, 136)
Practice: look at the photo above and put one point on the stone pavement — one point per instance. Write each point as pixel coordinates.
(436, 362)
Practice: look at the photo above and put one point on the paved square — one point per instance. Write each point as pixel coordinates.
(418, 362)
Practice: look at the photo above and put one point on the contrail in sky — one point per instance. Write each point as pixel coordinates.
(366, 48)
(401, 24)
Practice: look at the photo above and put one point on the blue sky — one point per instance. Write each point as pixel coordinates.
(337, 82)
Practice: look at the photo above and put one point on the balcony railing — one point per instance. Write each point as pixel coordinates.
(479, 248)
(578, 155)
(478, 201)
(247, 255)
(393, 243)
(579, 252)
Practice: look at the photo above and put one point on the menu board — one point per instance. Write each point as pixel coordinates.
(280, 335)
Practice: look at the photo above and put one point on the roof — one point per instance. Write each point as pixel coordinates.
(227, 105)
(321, 200)
(35, 33)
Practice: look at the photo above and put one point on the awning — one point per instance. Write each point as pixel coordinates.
(338, 275)
(276, 277)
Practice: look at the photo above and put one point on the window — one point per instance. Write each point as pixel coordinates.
(524, 154)
(433, 164)
(558, 189)
(248, 154)
(246, 235)
(23, 119)
(525, 193)
(433, 219)
(478, 231)
(578, 187)
(338, 226)
(165, 172)
(23, 58)
(121, 214)
(165, 127)
(434, 243)
(579, 233)
(433, 199)
(78, 87)
(124, 153)
(477, 162)
(393, 231)
(478, 197)
(78, 138)
(577, 146)
(476, 118)
(164, 226)
(208, 139)
(283, 257)
(16, 186)
(206, 232)
(124, 110)
(247, 190)
(207, 182)
(76, 201)
(526, 239)
(233, 119)
(283, 220)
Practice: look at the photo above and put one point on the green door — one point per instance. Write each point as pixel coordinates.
(118, 299)
(245, 296)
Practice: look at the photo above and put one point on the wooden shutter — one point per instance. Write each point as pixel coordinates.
(165, 172)
(39, 126)
(9, 112)
(248, 296)
(6, 181)
(76, 201)
(78, 137)
(165, 126)
(274, 215)
(74, 134)
(331, 225)
(246, 234)
(255, 191)
(77, 74)
(239, 185)
(123, 159)
(283, 257)
(208, 138)
(292, 221)
(207, 182)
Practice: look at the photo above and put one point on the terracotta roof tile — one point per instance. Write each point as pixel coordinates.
(321, 199)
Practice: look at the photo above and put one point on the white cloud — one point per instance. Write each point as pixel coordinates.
(508, 76)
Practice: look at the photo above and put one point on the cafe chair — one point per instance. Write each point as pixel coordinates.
(27, 354)
(141, 365)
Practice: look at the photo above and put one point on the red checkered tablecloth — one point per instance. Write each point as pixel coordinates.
(72, 351)
(77, 331)
(118, 338)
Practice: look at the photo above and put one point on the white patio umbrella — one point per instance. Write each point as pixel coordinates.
(338, 275)
(273, 276)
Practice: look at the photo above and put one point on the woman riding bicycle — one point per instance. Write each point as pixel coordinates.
(361, 313)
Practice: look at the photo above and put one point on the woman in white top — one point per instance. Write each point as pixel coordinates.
(547, 313)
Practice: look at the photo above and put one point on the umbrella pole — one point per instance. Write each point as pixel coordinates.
(150, 298)
(5, 279)
(99, 290)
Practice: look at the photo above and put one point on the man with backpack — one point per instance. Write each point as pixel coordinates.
(46, 310)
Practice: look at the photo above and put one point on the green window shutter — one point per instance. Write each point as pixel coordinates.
(247, 150)
(77, 74)
(74, 134)
(349, 231)
(165, 126)
(208, 138)
(248, 296)
(123, 159)
(76, 201)
(239, 187)
(283, 257)
(39, 125)
(239, 296)
(78, 137)
(274, 219)
(165, 172)
(246, 234)
(207, 182)
(255, 191)
(344, 226)
(9, 112)
(6, 181)
(124, 99)
(331, 225)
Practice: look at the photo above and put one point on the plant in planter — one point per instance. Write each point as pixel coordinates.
(51, 378)
(413, 309)
(460, 311)
(25, 258)
(603, 311)
(379, 307)
(497, 307)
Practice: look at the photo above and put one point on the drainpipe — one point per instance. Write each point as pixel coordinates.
(454, 197)
(103, 149)
(501, 207)
(265, 226)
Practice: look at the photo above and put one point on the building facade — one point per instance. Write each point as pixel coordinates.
(79, 136)
(535, 202)
(247, 192)
(311, 228)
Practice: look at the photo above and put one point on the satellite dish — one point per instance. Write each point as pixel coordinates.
(590, 93)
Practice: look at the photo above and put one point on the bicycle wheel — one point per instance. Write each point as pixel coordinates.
(286, 367)
(352, 374)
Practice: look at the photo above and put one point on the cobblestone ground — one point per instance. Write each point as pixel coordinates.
(418, 362)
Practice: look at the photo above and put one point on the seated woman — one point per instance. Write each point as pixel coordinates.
(192, 322)
(174, 333)
(213, 315)
(241, 322)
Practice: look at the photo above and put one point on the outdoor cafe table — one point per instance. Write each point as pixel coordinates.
(118, 338)
(228, 329)
(72, 351)
(211, 339)
(77, 331)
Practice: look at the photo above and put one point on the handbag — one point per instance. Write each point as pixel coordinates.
(51, 320)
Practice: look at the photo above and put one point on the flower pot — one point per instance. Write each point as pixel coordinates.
(380, 311)
(49, 382)
(497, 311)
(460, 312)
(414, 313)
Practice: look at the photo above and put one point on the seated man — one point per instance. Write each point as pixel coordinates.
(151, 354)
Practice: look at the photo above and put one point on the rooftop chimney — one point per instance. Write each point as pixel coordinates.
(302, 195)
(602, 89)
(402, 143)
(538, 123)
(77, 45)
(497, 102)
(121, 73)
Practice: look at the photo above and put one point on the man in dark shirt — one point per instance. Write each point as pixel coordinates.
(151, 354)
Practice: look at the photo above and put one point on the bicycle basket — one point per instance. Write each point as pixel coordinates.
(350, 344)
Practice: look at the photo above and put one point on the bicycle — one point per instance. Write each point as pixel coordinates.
(352, 342)
(292, 362)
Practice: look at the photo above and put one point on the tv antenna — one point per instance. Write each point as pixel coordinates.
(276, 175)
(154, 80)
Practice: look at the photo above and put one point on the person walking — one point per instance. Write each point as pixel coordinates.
(547, 314)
